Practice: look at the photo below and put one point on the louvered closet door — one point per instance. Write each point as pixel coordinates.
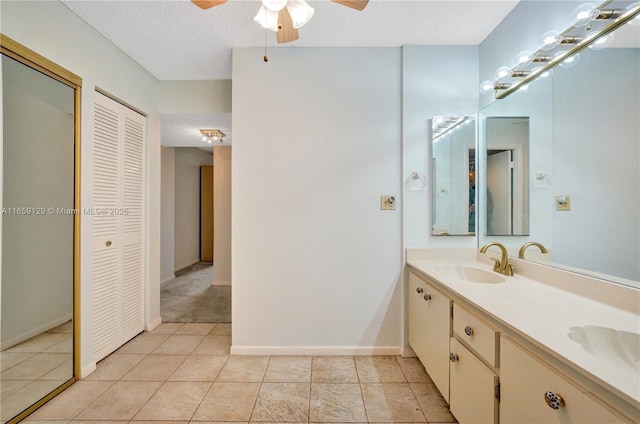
(118, 275)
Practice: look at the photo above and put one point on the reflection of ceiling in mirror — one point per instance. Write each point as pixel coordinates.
(627, 36)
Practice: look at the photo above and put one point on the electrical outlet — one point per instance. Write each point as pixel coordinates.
(387, 202)
(563, 203)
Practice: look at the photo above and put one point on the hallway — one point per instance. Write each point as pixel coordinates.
(190, 297)
(183, 373)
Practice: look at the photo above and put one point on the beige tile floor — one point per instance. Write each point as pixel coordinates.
(181, 373)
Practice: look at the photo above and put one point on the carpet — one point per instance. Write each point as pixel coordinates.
(190, 297)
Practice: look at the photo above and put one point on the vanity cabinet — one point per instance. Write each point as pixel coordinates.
(532, 392)
(489, 373)
(473, 379)
(430, 330)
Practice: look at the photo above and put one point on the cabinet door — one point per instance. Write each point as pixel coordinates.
(524, 381)
(473, 388)
(430, 330)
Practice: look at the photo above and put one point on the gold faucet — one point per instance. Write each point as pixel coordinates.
(500, 265)
(531, 243)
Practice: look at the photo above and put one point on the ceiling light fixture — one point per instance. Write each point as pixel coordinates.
(269, 11)
(209, 136)
(591, 26)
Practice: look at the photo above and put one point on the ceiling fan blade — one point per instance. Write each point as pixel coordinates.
(354, 4)
(286, 32)
(207, 4)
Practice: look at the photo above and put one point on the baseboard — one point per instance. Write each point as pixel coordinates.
(34, 332)
(188, 264)
(166, 281)
(221, 283)
(87, 370)
(317, 350)
(153, 324)
(407, 352)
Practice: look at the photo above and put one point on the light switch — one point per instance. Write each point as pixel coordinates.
(387, 202)
(563, 203)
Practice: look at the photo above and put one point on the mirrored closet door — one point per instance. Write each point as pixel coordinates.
(40, 223)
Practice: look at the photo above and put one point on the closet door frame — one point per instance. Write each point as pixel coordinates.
(28, 57)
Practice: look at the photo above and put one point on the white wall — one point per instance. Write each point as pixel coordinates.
(52, 30)
(221, 215)
(188, 161)
(436, 80)
(168, 214)
(316, 265)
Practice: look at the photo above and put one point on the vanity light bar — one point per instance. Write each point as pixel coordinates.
(615, 20)
(447, 125)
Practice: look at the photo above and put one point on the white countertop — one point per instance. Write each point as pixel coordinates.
(546, 315)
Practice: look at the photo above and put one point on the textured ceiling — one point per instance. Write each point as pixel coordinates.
(175, 40)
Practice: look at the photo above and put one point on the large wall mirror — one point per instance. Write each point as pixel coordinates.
(453, 175)
(40, 226)
(583, 178)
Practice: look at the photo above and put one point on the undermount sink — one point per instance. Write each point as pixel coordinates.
(608, 344)
(469, 273)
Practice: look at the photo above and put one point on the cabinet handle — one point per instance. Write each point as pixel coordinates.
(426, 297)
(468, 331)
(553, 400)
(108, 243)
(453, 357)
(419, 290)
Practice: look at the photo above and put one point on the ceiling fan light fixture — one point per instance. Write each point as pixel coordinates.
(267, 19)
(300, 12)
(274, 5)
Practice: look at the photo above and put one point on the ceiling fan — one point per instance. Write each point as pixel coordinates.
(283, 16)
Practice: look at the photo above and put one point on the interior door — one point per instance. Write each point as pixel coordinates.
(499, 193)
(206, 213)
(118, 220)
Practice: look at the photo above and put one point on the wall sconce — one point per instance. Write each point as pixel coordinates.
(591, 26)
(209, 136)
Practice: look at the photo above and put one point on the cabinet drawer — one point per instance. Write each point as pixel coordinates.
(476, 333)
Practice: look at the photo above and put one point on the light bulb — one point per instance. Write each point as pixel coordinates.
(215, 138)
(204, 138)
(300, 12)
(524, 58)
(584, 14)
(602, 42)
(268, 19)
(570, 61)
(635, 21)
(550, 39)
(486, 86)
(502, 72)
(275, 5)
